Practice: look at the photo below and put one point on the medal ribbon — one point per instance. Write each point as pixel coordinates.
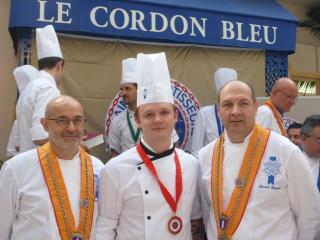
(59, 196)
(219, 125)
(134, 135)
(277, 116)
(228, 221)
(166, 194)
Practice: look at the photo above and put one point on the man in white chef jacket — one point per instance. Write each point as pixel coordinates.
(31, 106)
(256, 183)
(310, 141)
(283, 96)
(124, 132)
(23, 76)
(208, 126)
(52, 192)
(132, 205)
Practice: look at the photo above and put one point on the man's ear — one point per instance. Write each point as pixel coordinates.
(44, 123)
(176, 115)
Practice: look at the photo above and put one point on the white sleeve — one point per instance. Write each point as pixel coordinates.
(303, 195)
(9, 203)
(43, 97)
(198, 135)
(114, 139)
(13, 140)
(110, 205)
(196, 206)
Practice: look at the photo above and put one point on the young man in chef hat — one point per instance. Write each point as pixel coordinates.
(150, 191)
(31, 106)
(124, 132)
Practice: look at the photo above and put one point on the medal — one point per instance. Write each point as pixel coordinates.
(59, 196)
(175, 225)
(77, 236)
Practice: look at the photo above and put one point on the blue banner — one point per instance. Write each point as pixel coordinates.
(144, 21)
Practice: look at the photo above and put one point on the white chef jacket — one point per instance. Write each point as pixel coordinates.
(266, 119)
(13, 140)
(26, 208)
(286, 207)
(119, 136)
(205, 129)
(131, 205)
(31, 108)
(315, 164)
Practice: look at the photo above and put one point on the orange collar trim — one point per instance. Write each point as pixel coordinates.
(228, 221)
(59, 196)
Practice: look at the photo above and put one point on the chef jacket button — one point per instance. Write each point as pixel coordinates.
(146, 192)
(139, 168)
(149, 217)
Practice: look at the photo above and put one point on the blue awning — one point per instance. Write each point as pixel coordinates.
(262, 24)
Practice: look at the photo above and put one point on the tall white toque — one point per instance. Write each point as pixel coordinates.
(47, 43)
(222, 76)
(23, 75)
(129, 71)
(154, 85)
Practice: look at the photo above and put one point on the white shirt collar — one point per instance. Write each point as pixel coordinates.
(48, 76)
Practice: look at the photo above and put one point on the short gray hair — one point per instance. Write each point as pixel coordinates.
(309, 124)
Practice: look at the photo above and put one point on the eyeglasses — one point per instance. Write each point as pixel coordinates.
(291, 97)
(63, 121)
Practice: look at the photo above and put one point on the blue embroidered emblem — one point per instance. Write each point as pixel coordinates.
(271, 168)
(144, 93)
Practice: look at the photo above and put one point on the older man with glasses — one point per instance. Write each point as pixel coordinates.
(52, 192)
(284, 95)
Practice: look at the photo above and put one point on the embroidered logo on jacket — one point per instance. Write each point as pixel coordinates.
(271, 168)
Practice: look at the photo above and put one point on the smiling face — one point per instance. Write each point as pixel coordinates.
(64, 123)
(157, 121)
(237, 109)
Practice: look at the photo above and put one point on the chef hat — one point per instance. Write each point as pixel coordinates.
(154, 85)
(224, 75)
(23, 75)
(47, 43)
(129, 71)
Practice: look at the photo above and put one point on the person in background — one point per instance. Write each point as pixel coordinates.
(33, 100)
(52, 192)
(284, 95)
(294, 133)
(151, 191)
(123, 132)
(249, 177)
(310, 142)
(23, 76)
(208, 126)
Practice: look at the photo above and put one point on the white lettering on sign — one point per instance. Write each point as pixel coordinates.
(257, 33)
(136, 20)
(63, 12)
